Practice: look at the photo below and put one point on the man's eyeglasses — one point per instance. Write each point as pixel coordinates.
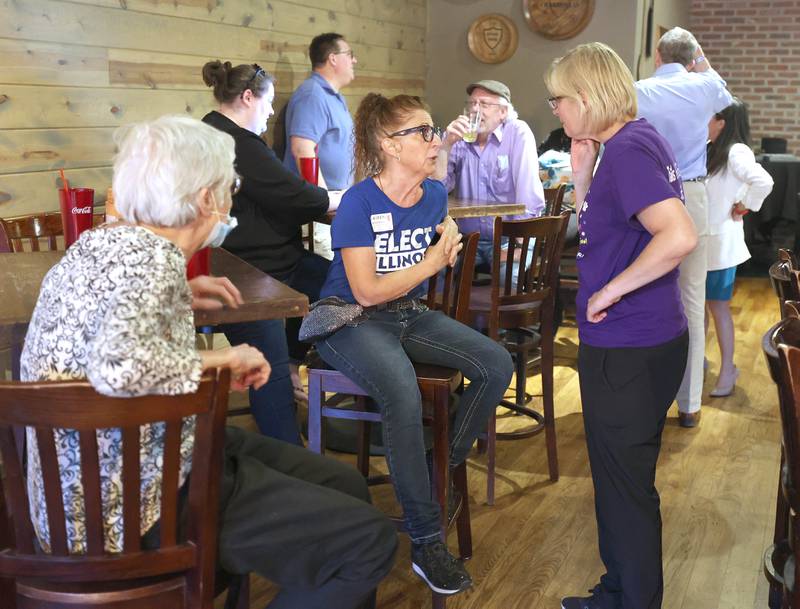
(554, 101)
(471, 103)
(427, 132)
(236, 185)
(347, 52)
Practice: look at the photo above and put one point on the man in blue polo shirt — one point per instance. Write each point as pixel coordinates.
(318, 122)
(679, 100)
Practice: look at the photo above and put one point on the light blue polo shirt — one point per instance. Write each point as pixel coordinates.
(320, 114)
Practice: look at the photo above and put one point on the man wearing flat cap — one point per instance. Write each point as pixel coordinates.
(501, 165)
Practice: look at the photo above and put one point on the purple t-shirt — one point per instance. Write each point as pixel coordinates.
(637, 169)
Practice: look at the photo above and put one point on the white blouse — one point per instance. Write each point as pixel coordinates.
(116, 310)
(741, 180)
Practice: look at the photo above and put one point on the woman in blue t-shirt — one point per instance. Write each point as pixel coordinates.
(634, 231)
(383, 253)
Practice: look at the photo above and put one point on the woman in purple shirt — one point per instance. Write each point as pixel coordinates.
(634, 231)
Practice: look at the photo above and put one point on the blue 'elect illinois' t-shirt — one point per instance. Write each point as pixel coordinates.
(400, 235)
(637, 170)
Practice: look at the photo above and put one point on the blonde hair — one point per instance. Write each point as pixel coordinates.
(595, 73)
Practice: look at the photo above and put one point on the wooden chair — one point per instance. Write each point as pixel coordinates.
(554, 200)
(436, 384)
(784, 275)
(37, 231)
(781, 346)
(180, 573)
(516, 306)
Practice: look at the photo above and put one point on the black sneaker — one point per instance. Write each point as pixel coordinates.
(582, 602)
(441, 570)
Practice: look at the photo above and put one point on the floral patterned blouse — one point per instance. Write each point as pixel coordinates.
(116, 310)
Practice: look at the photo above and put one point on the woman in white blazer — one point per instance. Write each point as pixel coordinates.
(736, 185)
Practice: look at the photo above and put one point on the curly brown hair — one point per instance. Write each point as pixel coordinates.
(375, 118)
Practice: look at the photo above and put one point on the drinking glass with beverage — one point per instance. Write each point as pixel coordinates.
(473, 114)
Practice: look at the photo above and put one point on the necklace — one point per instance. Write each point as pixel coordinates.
(380, 184)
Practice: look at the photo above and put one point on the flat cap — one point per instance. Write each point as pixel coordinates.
(493, 86)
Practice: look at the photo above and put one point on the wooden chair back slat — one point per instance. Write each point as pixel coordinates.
(203, 531)
(76, 406)
(169, 482)
(131, 489)
(789, 369)
(453, 299)
(16, 493)
(543, 238)
(92, 500)
(554, 200)
(51, 480)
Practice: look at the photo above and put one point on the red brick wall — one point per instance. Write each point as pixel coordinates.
(755, 46)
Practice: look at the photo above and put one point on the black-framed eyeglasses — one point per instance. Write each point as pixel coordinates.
(347, 52)
(554, 101)
(427, 132)
(236, 185)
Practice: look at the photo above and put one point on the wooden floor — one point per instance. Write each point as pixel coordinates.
(717, 485)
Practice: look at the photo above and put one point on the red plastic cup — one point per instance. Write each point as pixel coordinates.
(77, 212)
(199, 264)
(309, 169)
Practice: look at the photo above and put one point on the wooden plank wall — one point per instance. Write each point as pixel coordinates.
(73, 71)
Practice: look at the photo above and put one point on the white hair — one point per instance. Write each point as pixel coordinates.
(162, 165)
(511, 113)
(677, 46)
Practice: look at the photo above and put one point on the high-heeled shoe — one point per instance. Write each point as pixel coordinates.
(724, 390)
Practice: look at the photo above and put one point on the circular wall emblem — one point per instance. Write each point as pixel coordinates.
(558, 19)
(492, 38)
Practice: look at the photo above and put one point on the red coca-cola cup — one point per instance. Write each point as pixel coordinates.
(77, 212)
(199, 264)
(309, 169)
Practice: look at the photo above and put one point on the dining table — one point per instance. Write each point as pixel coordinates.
(22, 273)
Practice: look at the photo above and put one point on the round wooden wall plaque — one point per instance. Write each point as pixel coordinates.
(492, 38)
(558, 19)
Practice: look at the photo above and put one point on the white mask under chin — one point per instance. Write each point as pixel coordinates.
(219, 232)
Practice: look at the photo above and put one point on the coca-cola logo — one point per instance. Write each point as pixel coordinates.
(82, 210)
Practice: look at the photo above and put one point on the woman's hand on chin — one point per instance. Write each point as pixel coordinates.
(210, 293)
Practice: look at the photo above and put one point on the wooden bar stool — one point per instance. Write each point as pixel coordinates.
(515, 306)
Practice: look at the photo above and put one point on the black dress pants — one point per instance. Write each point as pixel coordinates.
(625, 393)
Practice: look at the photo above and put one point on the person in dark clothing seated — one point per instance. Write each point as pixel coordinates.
(271, 208)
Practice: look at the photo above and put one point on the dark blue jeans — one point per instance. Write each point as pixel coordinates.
(377, 354)
(273, 405)
(307, 277)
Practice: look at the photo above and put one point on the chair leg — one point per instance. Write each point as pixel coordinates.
(547, 399)
(521, 364)
(238, 593)
(441, 455)
(491, 450)
(315, 402)
(463, 524)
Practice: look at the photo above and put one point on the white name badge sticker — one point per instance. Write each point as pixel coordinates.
(381, 222)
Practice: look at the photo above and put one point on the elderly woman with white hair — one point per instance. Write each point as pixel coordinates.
(117, 311)
(634, 231)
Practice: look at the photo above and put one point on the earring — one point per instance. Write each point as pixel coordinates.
(397, 156)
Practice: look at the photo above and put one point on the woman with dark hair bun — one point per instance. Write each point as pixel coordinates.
(384, 252)
(271, 207)
(736, 185)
